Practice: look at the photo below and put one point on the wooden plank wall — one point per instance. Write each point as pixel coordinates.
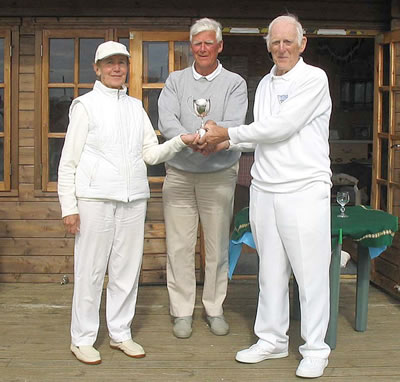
(33, 244)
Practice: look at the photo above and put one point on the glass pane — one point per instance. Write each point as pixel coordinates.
(386, 64)
(55, 148)
(159, 169)
(396, 122)
(383, 197)
(87, 49)
(1, 159)
(2, 110)
(125, 41)
(59, 103)
(150, 102)
(397, 63)
(384, 159)
(183, 55)
(1, 59)
(395, 150)
(385, 112)
(83, 91)
(61, 60)
(155, 62)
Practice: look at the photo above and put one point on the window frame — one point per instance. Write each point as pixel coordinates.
(46, 184)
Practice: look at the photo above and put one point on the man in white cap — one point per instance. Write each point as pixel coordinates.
(103, 192)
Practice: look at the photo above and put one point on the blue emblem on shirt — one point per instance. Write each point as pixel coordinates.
(282, 98)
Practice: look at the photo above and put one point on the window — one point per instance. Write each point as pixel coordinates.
(67, 73)
(154, 56)
(5, 109)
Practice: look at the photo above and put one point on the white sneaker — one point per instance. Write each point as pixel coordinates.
(256, 353)
(130, 348)
(86, 354)
(310, 367)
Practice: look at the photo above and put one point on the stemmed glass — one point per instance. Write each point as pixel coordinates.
(342, 197)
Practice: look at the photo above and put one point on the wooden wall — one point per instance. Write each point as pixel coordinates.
(33, 244)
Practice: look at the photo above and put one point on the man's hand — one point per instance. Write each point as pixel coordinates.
(215, 134)
(72, 223)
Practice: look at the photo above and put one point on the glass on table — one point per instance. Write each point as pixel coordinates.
(342, 197)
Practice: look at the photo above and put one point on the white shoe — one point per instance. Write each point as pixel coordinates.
(86, 354)
(130, 348)
(256, 353)
(310, 367)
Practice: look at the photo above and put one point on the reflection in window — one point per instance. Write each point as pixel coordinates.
(83, 91)
(155, 61)
(385, 112)
(125, 41)
(183, 54)
(150, 103)
(384, 162)
(61, 60)
(55, 148)
(1, 161)
(2, 110)
(1, 59)
(59, 103)
(87, 50)
(386, 65)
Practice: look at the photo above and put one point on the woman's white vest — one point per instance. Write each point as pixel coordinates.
(111, 164)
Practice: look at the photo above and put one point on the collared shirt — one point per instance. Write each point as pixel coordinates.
(211, 76)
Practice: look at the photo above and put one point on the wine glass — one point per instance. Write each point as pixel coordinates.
(342, 197)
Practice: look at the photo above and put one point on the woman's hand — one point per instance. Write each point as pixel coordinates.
(190, 139)
(72, 223)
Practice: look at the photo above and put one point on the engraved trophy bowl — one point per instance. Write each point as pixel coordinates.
(201, 108)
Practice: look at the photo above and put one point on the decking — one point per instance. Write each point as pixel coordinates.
(34, 346)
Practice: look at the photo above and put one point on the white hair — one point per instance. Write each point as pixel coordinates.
(206, 24)
(288, 18)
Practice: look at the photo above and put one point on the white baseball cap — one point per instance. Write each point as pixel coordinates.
(110, 48)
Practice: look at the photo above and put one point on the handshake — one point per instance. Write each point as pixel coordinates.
(214, 139)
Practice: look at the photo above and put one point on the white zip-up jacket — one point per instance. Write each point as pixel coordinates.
(108, 143)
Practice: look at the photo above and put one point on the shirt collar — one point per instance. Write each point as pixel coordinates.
(289, 75)
(211, 76)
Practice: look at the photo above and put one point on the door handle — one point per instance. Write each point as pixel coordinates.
(395, 146)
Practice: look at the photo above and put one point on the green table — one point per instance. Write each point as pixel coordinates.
(372, 230)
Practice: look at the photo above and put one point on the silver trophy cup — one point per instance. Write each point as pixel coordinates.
(201, 108)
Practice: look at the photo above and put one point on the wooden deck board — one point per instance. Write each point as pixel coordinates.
(34, 346)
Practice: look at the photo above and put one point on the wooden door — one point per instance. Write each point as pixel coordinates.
(155, 54)
(386, 152)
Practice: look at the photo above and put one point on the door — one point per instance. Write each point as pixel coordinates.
(386, 153)
(154, 55)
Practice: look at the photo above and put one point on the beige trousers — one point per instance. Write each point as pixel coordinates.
(187, 198)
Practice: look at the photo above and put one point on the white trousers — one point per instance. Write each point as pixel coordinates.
(188, 197)
(111, 237)
(292, 232)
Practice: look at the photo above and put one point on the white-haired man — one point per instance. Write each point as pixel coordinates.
(289, 198)
(200, 186)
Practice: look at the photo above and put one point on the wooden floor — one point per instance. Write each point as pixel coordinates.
(34, 340)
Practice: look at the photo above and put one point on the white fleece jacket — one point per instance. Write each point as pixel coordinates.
(108, 143)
